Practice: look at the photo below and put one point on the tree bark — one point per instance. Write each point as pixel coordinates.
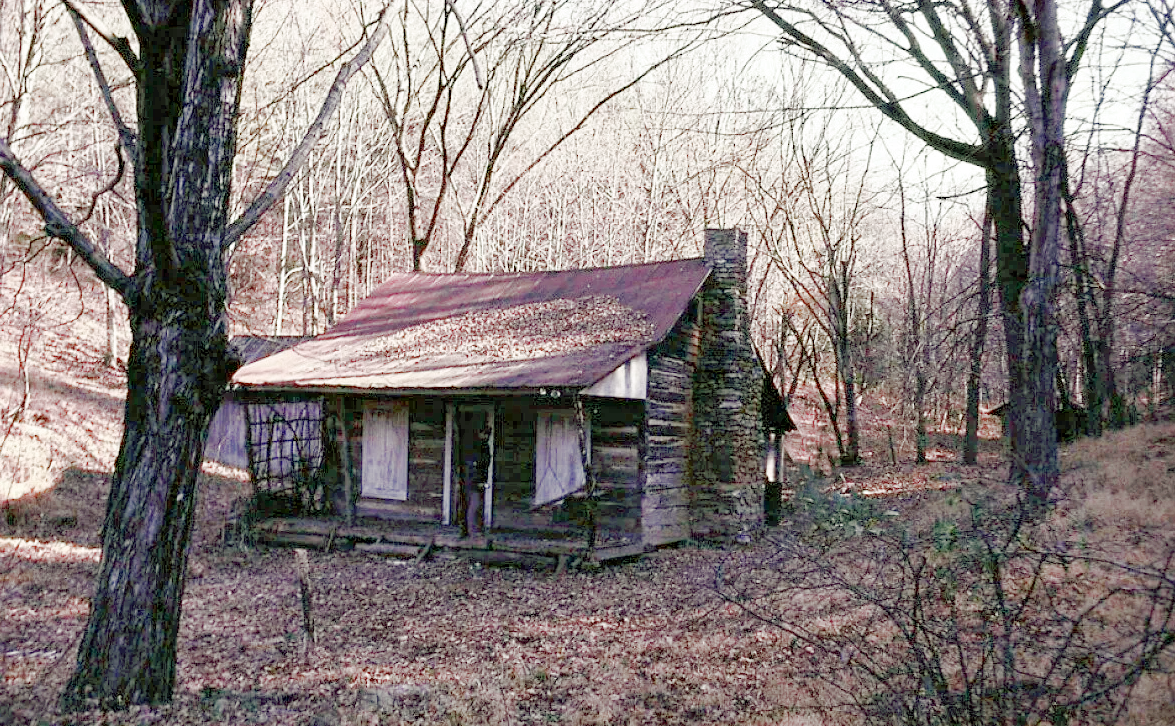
(1082, 282)
(978, 343)
(839, 289)
(1011, 275)
(127, 654)
(1046, 80)
(189, 88)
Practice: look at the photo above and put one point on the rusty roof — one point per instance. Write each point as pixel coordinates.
(249, 348)
(482, 332)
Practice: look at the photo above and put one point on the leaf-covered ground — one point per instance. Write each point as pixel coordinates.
(444, 641)
(641, 642)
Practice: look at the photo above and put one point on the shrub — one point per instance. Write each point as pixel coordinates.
(974, 614)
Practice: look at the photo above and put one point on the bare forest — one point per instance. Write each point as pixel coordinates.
(961, 278)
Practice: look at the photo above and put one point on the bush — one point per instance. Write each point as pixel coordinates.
(974, 614)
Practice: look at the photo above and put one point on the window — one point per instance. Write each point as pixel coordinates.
(385, 450)
(558, 466)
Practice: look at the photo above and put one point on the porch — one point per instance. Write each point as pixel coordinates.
(419, 540)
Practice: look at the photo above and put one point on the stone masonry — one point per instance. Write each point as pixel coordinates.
(726, 459)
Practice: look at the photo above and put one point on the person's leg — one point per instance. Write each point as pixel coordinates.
(473, 515)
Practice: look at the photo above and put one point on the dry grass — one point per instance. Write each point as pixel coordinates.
(1124, 479)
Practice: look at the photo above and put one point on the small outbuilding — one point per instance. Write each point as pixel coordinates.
(623, 408)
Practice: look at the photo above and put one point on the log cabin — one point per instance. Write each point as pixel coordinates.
(626, 408)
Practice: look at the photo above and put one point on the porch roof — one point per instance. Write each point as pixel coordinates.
(454, 332)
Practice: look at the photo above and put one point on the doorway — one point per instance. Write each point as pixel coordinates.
(473, 451)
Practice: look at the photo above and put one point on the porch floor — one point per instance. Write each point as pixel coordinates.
(405, 538)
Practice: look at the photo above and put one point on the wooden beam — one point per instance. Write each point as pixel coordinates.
(487, 503)
(447, 497)
(388, 548)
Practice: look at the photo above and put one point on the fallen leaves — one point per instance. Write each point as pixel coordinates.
(515, 333)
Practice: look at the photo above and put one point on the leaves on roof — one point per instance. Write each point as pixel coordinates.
(515, 333)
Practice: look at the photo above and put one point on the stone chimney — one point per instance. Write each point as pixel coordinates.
(726, 456)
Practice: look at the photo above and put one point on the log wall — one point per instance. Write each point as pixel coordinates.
(617, 440)
(665, 506)
(616, 462)
(514, 467)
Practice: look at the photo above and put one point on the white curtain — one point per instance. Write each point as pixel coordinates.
(385, 450)
(558, 464)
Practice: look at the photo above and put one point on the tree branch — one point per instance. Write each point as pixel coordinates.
(126, 137)
(57, 224)
(969, 153)
(468, 46)
(120, 44)
(313, 134)
(1097, 12)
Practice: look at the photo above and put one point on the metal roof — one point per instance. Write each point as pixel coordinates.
(255, 347)
(424, 331)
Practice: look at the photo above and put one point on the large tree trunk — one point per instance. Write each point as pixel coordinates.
(189, 91)
(1011, 274)
(1046, 81)
(175, 379)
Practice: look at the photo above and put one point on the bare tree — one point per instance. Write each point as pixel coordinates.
(811, 210)
(187, 68)
(978, 343)
(462, 95)
(965, 51)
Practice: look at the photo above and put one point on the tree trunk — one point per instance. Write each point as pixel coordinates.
(978, 343)
(1011, 275)
(175, 378)
(851, 455)
(920, 437)
(1091, 385)
(1043, 69)
(188, 94)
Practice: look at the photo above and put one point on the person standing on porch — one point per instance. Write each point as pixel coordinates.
(475, 468)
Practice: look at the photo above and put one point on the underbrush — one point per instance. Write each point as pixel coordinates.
(964, 608)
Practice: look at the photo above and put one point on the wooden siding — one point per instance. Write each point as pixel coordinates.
(616, 457)
(665, 505)
(615, 442)
(426, 455)
(617, 439)
(514, 452)
(226, 436)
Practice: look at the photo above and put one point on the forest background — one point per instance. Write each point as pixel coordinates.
(575, 136)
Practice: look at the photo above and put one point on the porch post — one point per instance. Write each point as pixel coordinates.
(487, 504)
(345, 461)
(447, 499)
